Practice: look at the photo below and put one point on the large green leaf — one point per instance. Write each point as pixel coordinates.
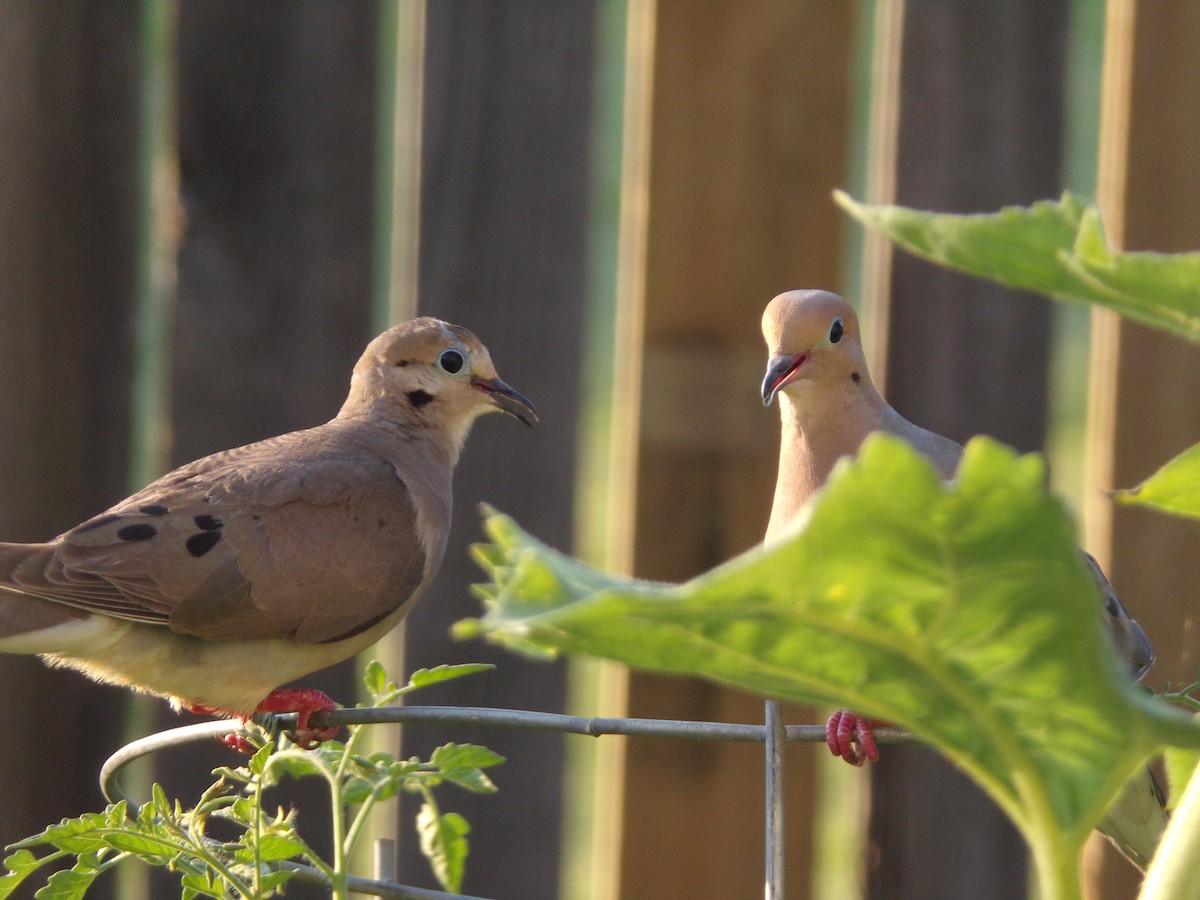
(960, 611)
(1054, 248)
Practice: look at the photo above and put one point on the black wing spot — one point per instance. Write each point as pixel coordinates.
(138, 532)
(419, 398)
(155, 509)
(199, 544)
(208, 523)
(855, 377)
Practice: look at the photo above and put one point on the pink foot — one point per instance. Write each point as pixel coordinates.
(840, 731)
(304, 702)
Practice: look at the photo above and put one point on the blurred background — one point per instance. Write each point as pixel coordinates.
(208, 207)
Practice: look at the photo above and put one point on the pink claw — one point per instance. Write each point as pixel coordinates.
(841, 729)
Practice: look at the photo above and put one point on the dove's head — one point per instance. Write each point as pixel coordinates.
(431, 374)
(813, 342)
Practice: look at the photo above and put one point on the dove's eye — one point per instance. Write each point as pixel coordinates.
(451, 361)
(836, 330)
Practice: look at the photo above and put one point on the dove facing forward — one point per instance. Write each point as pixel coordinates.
(829, 405)
(249, 568)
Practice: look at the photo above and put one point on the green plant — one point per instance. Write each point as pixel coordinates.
(961, 611)
(264, 853)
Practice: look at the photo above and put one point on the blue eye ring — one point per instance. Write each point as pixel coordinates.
(452, 361)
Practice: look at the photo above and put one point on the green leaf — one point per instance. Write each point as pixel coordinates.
(1053, 248)
(1175, 488)
(297, 763)
(69, 884)
(20, 865)
(422, 678)
(196, 884)
(444, 844)
(84, 834)
(461, 756)
(357, 790)
(274, 847)
(150, 848)
(375, 679)
(960, 611)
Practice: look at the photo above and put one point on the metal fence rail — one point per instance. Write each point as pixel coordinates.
(773, 734)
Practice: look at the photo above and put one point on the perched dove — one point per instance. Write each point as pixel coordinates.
(249, 568)
(829, 405)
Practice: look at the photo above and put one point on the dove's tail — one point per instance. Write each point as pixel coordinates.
(1135, 820)
(28, 623)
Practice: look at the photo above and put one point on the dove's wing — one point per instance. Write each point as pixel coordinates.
(309, 537)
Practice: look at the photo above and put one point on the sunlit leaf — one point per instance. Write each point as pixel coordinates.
(1175, 488)
(960, 611)
(444, 844)
(425, 677)
(1054, 248)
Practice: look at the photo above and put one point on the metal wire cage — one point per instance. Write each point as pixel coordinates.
(773, 734)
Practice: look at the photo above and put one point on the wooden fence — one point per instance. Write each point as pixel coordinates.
(207, 208)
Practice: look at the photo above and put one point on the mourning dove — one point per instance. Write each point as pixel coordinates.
(829, 405)
(249, 568)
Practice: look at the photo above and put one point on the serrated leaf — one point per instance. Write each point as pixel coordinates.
(960, 611)
(450, 756)
(474, 780)
(258, 762)
(297, 764)
(357, 790)
(1174, 488)
(1053, 248)
(422, 678)
(150, 848)
(444, 843)
(375, 679)
(83, 834)
(275, 879)
(275, 847)
(196, 884)
(19, 865)
(68, 884)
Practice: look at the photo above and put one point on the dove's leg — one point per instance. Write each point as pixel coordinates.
(304, 702)
(839, 736)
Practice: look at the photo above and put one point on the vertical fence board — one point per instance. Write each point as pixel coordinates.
(1144, 379)
(980, 126)
(68, 277)
(503, 252)
(748, 136)
(276, 146)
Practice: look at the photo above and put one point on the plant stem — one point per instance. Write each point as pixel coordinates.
(1057, 870)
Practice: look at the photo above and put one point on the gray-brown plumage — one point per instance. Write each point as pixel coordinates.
(829, 405)
(252, 567)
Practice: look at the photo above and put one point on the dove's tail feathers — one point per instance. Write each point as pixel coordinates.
(1136, 819)
(30, 624)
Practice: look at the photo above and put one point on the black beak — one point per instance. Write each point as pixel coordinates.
(508, 400)
(780, 368)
